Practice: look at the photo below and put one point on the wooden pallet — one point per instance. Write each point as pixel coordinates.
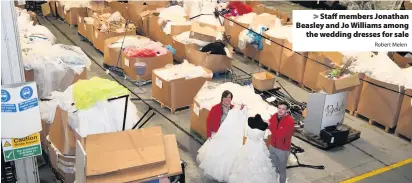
(403, 137)
(307, 88)
(387, 129)
(173, 111)
(352, 113)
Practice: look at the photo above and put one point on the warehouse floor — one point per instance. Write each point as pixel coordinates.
(375, 149)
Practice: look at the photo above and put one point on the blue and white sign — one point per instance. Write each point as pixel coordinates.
(20, 113)
(5, 96)
(26, 92)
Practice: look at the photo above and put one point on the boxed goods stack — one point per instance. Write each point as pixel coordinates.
(147, 154)
(166, 23)
(176, 86)
(384, 81)
(70, 122)
(73, 9)
(404, 126)
(215, 56)
(107, 25)
(141, 50)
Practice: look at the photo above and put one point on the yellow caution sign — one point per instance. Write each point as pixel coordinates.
(26, 141)
(7, 144)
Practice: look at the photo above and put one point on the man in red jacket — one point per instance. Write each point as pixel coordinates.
(282, 126)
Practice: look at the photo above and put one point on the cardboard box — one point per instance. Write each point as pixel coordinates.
(258, 8)
(404, 126)
(28, 75)
(113, 56)
(115, 169)
(100, 37)
(60, 9)
(151, 64)
(120, 7)
(65, 165)
(72, 16)
(293, 64)
(198, 119)
(45, 9)
(61, 135)
(86, 30)
(324, 110)
(263, 81)
(407, 4)
(271, 54)
(176, 93)
(332, 86)
(334, 57)
(233, 30)
(181, 48)
(96, 7)
(205, 32)
(156, 31)
(53, 7)
(144, 28)
(44, 133)
(137, 149)
(315, 65)
(380, 104)
(215, 63)
(401, 61)
(354, 96)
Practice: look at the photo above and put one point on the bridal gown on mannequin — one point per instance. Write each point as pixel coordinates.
(217, 155)
(253, 163)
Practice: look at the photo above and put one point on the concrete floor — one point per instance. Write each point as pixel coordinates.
(375, 149)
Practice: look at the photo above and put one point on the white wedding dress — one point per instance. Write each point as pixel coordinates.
(252, 163)
(217, 155)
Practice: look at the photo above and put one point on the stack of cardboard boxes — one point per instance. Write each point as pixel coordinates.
(132, 155)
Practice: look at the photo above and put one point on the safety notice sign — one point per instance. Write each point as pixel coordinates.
(20, 113)
(19, 148)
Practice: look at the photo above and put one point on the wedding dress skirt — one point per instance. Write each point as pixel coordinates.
(217, 155)
(253, 163)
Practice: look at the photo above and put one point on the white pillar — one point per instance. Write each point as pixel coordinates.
(12, 72)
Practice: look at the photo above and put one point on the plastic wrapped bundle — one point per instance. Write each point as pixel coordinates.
(379, 67)
(36, 34)
(73, 56)
(247, 36)
(185, 39)
(246, 18)
(75, 4)
(127, 41)
(184, 70)
(281, 32)
(102, 117)
(55, 66)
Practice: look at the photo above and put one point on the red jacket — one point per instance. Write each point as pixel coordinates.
(213, 119)
(282, 132)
